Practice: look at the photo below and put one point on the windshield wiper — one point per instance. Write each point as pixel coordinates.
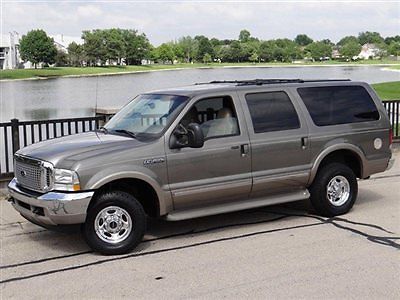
(130, 133)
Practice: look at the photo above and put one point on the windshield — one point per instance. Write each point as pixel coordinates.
(147, 114)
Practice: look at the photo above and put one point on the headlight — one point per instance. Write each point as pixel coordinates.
(66, 180)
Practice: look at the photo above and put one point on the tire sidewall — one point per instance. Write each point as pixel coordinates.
(132, 207)
(319, 190)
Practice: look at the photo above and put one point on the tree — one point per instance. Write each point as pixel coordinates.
(207, 58)
(319, 50)
(188, 46)
(346, 39)
(350, 49)
(370, 38)
(93, 46)
(244, 36)
(203, 46)
(286, 50)
(114, 46)
(394, 48)
(75, 54)
(137, 47)
(267, 50)
(254, 57)
(37, 47)
(165, 53)
(303, 40)
(391, 39)
(61, 59)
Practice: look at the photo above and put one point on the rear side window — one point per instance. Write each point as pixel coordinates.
(332, 105)
(272, 111)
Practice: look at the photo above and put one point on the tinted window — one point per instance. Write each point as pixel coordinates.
(272, 111)
(339, 104)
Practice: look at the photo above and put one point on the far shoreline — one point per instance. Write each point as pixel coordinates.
(159, 68)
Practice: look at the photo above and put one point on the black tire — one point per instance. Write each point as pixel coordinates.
(127, 203)
(318, 190)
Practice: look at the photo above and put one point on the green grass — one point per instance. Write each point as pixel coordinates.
(68, 71)
(388, 90)
(76, 71)
(395, 67)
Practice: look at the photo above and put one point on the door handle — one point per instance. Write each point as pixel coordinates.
(235, 147)
(244, 150)
(304, 143)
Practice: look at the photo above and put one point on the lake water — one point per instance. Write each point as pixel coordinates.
(77, 97)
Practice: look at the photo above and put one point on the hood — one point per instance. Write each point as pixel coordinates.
(78, 147)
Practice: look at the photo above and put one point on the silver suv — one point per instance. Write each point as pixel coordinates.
(206, 149)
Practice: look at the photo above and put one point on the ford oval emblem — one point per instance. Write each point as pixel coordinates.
(23, 173)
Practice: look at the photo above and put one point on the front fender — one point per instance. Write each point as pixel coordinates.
(127, 172)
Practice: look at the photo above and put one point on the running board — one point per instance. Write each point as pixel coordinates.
(236, 206)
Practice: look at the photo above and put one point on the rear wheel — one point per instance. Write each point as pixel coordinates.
(334, 190)
(115, 223)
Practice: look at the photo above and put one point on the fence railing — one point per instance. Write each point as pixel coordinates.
(393, 110)
(17, 134)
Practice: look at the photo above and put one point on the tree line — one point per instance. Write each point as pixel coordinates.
(129, 47)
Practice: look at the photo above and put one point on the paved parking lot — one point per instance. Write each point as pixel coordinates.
(282, 251)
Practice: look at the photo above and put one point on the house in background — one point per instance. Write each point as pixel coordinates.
(9, 54)
(369, 51)
(62, 41)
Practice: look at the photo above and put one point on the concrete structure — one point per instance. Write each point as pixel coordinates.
(9, 54)
(9, 49)
(62, 41)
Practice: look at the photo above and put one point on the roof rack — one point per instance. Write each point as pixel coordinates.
(269, 81)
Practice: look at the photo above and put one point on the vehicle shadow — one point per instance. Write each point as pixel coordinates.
(70, 239)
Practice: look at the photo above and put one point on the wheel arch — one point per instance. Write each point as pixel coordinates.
(149, 193)
(349, 154)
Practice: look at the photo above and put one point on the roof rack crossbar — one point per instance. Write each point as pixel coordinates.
(270, 81)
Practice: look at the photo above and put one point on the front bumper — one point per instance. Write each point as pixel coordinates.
(52, 208)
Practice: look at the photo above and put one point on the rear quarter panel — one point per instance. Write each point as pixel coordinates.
(358, 137)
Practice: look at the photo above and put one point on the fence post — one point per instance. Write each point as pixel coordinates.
(15, 134)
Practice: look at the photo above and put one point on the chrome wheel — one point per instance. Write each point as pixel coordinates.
(338, 190)
(113, 224)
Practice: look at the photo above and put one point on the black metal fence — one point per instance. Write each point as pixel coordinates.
(393, 110)
(17, 134)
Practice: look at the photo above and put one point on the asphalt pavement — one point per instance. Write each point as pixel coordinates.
(283, 251)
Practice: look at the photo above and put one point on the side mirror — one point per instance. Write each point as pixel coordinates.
(195, 136)
(192, 137)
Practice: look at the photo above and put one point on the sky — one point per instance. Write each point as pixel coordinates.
(163, 21)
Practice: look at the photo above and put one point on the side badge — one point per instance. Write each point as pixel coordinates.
(152, 161)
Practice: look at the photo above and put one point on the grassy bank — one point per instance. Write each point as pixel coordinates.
(388, 90)
(76, 71)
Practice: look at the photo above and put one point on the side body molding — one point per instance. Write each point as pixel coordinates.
(335, 147)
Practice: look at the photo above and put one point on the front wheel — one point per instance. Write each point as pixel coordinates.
(334, 190)
(115, 223)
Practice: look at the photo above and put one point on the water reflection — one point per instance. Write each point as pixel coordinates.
(77, 97)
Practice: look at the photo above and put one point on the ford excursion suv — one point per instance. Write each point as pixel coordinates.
(206, 149)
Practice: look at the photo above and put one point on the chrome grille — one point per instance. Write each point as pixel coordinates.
(32, 174)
